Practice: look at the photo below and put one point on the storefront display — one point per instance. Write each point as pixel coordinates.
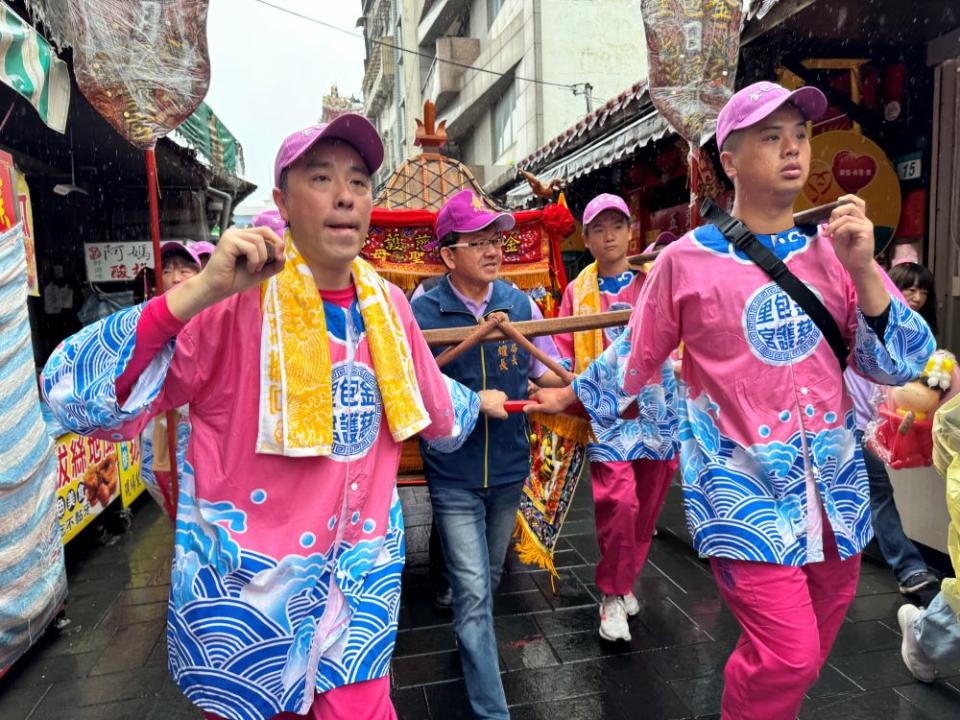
(845, 161)
(91, 474)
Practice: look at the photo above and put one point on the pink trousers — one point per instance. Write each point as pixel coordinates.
(627, 498)
(369, 700)
(789, 617)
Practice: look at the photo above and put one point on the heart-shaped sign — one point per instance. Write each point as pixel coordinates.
(853, 172)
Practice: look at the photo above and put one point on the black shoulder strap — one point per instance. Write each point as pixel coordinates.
(740, 236)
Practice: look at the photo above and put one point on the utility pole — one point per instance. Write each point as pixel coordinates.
(587, 94)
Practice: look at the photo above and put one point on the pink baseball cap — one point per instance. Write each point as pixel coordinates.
(606, 201)
(203, 248)
(175, 246)
(465, 212)
(349, 127)
(272, 220)
(755, 102)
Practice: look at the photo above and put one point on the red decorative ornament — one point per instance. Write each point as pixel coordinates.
(558, 221)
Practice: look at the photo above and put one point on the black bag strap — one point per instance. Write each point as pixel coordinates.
(740, 236)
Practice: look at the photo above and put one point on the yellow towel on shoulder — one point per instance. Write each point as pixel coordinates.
(588, 344)
(296, 385)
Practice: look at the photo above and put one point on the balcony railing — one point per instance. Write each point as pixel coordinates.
(443, 78)
(379, 75)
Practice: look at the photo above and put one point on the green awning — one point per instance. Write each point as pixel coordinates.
(29, 66)
(205, 133)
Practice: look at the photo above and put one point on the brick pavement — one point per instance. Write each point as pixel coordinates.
(109, 663)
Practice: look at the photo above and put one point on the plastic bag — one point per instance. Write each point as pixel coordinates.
(143, 64)
(908, 449)
(902, 436)
(692, 50)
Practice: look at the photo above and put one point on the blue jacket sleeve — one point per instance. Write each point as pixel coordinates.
(901, 354)
(79, 379)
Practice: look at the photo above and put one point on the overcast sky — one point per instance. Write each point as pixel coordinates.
(270, 71)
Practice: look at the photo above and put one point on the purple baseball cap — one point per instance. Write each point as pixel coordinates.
(755, 102)
(465, 212)
(349, 127)
(203, 248)
(606, 201)
(272, 220)
(171, 247)
(663, 239)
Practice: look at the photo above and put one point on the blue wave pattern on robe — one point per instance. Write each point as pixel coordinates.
(746, 503)
(244, 629)
(749, 502)
(652, 435)
(242, 625)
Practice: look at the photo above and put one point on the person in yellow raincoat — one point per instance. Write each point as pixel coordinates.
(931, 637)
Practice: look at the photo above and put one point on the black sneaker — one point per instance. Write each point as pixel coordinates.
(918, 581)
(443, 599)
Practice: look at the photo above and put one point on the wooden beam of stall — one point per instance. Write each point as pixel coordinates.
(500, 321)
(532, 328)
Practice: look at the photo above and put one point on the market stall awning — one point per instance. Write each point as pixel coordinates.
(598, 154)
(205, 132)
(29, 65)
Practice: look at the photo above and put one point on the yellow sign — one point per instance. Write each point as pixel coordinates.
(90, 475)
(131, 481)
(25, 213)
(845, 162)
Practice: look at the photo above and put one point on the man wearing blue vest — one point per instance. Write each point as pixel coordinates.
(475, 491)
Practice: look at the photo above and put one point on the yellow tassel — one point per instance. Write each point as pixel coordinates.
(530, 550)
(566, 426)
(404, 280)
(407, 280)
(526, 279)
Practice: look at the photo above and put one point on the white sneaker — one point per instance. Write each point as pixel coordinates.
(913, 656)
(613, 619)
(631, 604)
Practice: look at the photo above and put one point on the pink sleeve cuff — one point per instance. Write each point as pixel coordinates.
(157, 325)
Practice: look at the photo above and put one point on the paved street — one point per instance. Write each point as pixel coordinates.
(109, 663)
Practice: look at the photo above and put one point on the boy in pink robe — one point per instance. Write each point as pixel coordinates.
(631, 462)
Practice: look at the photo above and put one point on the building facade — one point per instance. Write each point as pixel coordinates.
(501, 72)
(391, 79)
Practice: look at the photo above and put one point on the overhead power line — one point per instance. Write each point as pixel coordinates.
(574, 87)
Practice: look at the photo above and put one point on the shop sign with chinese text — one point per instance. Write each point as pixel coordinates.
(90, 475)
(117, 261)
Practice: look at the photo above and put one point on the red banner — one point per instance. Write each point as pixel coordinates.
(397, 247)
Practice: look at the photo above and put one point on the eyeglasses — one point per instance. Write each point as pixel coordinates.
(495, 242)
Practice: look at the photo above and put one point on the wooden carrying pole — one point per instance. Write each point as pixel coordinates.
(499, 321)
(813, 216)
(532, 328)
(152, 193)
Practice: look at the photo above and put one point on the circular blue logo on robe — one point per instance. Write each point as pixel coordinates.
(613, 333)
(357, 410)
(778, 330)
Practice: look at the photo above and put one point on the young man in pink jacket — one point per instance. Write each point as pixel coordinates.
(774, 484)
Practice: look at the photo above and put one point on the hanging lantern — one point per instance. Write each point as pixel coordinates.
(142, 64)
